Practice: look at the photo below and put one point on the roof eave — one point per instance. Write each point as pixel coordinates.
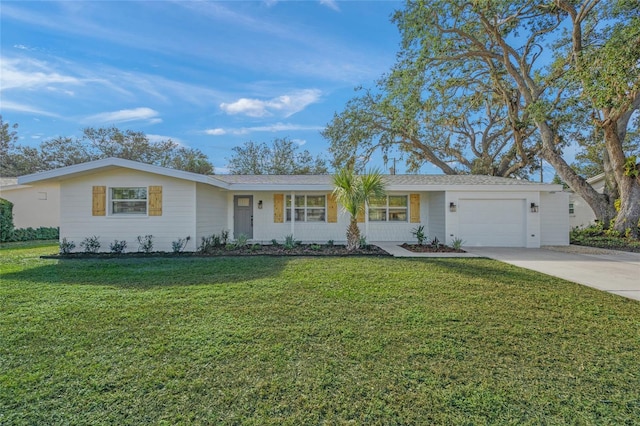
(111, 163)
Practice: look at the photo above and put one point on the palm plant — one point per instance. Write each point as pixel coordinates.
(353, 191)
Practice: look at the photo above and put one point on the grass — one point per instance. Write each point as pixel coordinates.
(296, 341)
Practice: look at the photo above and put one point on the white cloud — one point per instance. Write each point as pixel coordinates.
(331, 4)
(23, 47)
(125, 115)
(273, 128)
(13, 106)
(216, 132)
(300, 142)
(30, 74)
(285, 105)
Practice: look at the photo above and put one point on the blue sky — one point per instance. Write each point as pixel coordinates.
(209, 75)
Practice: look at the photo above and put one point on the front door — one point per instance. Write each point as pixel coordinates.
(243, 216)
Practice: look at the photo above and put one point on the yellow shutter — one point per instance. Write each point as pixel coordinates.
(278, 208)
(155, 201)
(332, 209)
(360, 217)
(414, 207)
(99, 203)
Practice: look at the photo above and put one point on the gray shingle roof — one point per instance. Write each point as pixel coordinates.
(390, 180)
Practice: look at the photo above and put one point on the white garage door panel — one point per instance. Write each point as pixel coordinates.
(492, 223)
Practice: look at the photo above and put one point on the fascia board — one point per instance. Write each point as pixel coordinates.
(472, 188)
(106, 164)
(279, 188)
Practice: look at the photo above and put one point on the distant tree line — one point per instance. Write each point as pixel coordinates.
(282, 156)
(94, 144)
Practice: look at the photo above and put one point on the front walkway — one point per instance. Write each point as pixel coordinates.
(607, 270)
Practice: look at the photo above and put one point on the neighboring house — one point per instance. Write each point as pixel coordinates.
(580, 213)
(117, 199)
(33, 205)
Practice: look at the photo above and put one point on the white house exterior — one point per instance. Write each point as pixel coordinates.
(33, 205)
(117, 199)
(580, 213)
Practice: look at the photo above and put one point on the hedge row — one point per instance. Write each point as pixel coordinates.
(31, 234)
(9, 234)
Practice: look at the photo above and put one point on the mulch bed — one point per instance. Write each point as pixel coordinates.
(428, 248)
(249, 250)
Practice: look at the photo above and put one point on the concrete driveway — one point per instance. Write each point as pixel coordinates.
(612, 271)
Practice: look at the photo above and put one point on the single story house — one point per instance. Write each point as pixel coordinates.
(33, 205)
(116, 199)
(581, 214)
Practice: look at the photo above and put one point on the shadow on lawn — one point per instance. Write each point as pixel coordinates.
(489, 269)
(153, 272)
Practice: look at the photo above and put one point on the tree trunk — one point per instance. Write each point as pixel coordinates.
(628, 185)
(629, 215)
(353, 235)
(599, 203)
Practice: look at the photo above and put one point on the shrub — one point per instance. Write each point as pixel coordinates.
(290, 242)
(315, 247)
(145, 244)
(275, 243)
(31, 234)
(241, 241)
(435, 243)
(256, 247)
(179, 245)
(418, 232)
(6, 220)
(117, 247)
(362, 243)
(224, 237)
(457, 243)
(91, 244)
(330, 243)
(66, 247)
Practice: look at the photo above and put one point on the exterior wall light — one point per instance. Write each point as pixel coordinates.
(534, 208)
(452, 207)
(260, 204)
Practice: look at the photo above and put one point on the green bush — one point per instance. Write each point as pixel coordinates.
(32, 234)
(596, 236)
(6, 220)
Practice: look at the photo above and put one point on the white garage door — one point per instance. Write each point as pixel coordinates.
(492, 223)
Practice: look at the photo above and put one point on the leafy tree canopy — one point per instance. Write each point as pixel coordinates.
(282, 157)
(95, 144)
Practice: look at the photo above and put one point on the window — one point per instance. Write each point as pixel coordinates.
(129, 200)
(307, 208)
(392, 208)
(571, 209)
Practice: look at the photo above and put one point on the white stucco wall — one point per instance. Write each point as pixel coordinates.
(264, 228)
(211, 211)
(436, 217)
(177, 220)
(34, 205)
(554, 218)
(583, 214)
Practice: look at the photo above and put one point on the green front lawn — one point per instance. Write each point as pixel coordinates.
(264, 340)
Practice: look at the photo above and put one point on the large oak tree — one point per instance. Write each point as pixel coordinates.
(556, 66)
